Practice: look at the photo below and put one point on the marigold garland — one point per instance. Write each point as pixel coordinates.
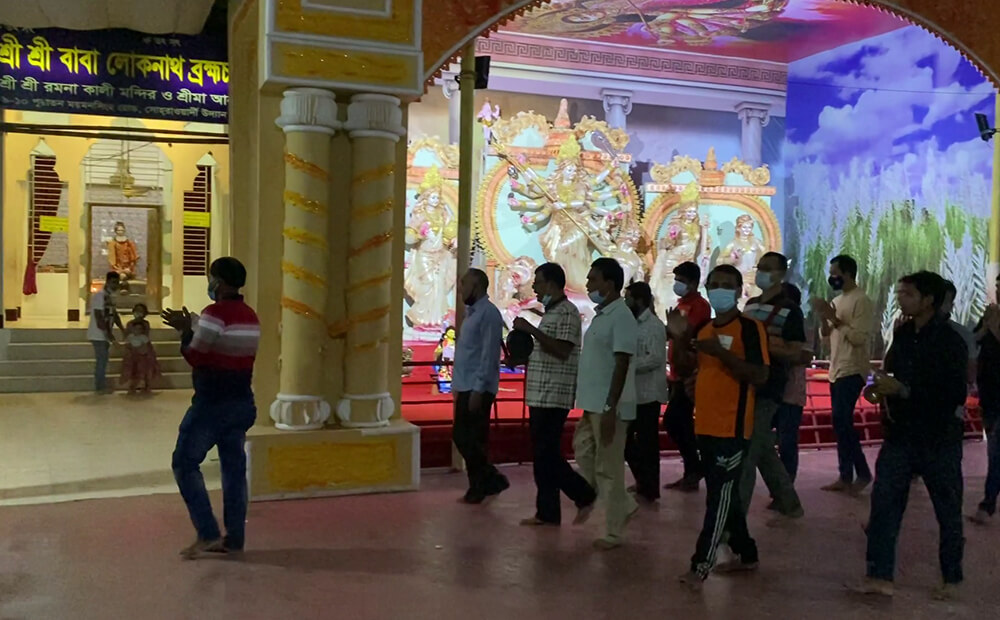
(374, 242)
(374, 174)
(306, 204)
(301, 273)
(305, 237)
(307, 167)
(370, 282)
(372, 210)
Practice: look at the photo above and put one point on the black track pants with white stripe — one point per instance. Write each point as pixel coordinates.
(723, 462)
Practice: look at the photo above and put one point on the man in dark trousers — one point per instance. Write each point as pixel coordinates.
(732, 363)
(550, 392)
(221, 347)
(678, 419)
(988, 382)
(922, 384)
(474, 383)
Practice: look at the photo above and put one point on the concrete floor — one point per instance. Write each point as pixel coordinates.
(64, 447)
(422, 555)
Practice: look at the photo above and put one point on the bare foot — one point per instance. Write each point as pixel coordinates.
(945, 592)
(837, 487)
(981, 517)
(736, 566)
(870, 586)
(192, 551)
(606, 544)
(691, 581)
(583, 513)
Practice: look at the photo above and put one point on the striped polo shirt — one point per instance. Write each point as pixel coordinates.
(222, 349)
(782, 319)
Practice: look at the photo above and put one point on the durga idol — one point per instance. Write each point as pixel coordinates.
(686, 239)
(430, 277)
(574, 209)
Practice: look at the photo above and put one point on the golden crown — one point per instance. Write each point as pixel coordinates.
(691, 193)
(570, 149)
(432, 180)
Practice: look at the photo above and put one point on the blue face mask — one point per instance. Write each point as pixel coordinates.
(722, 300)
(681, 289)
(546, 300)
(596, 297)
(212, 288)
(764, 280)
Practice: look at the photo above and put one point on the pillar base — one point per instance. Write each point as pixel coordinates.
(295, 412)
(332, 461)
(383, 410)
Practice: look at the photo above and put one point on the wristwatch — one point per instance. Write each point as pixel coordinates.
(607, 408)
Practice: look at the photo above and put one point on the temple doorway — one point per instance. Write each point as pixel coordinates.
(127, 239)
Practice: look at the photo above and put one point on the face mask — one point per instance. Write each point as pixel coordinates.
(546, 300)
(836, 283)
(213, 286)
(764, 280)
(596, 297)
(681, 289)
(139, 315)
(722, 300)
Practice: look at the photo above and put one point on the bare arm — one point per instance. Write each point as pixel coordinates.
(743, 370)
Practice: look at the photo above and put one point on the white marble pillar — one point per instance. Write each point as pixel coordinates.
(617, 107)
(754, 118)
(449, 85)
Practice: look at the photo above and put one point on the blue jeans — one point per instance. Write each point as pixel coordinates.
(940, 466)
(844, 394)
(992, 427)
(224, 425)
(102, 349)
(787, 421)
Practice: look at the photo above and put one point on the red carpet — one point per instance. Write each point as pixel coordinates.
(510, 441)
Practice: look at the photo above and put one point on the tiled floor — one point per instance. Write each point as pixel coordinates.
(60, 447)
(421, 555)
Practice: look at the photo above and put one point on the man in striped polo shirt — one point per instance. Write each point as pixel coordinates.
(786, 336)
(221, 347)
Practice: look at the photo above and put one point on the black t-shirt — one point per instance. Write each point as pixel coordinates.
(988, 374)
(782, 319)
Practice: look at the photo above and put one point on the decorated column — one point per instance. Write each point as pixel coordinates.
(754, 117)
(375, 126)
(617, 107)
(309, 119)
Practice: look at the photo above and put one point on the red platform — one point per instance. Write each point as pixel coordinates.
(510, 441)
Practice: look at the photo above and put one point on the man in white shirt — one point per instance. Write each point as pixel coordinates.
(642, 444)
(102, 318)
(606, 393)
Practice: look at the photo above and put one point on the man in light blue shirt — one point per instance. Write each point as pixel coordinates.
(606, 393)
(474, 383)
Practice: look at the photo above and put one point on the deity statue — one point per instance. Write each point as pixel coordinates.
(123, 257)
(687, 239)
(430, 276)
(515, 293)
(628, 253)
(744, 252)
(572, 206)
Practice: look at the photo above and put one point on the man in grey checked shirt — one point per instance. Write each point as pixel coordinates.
(550, 389)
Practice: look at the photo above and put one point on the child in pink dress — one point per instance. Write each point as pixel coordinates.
(139, 366)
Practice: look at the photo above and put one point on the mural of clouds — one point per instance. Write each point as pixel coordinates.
(900, 104)
(885, 163)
